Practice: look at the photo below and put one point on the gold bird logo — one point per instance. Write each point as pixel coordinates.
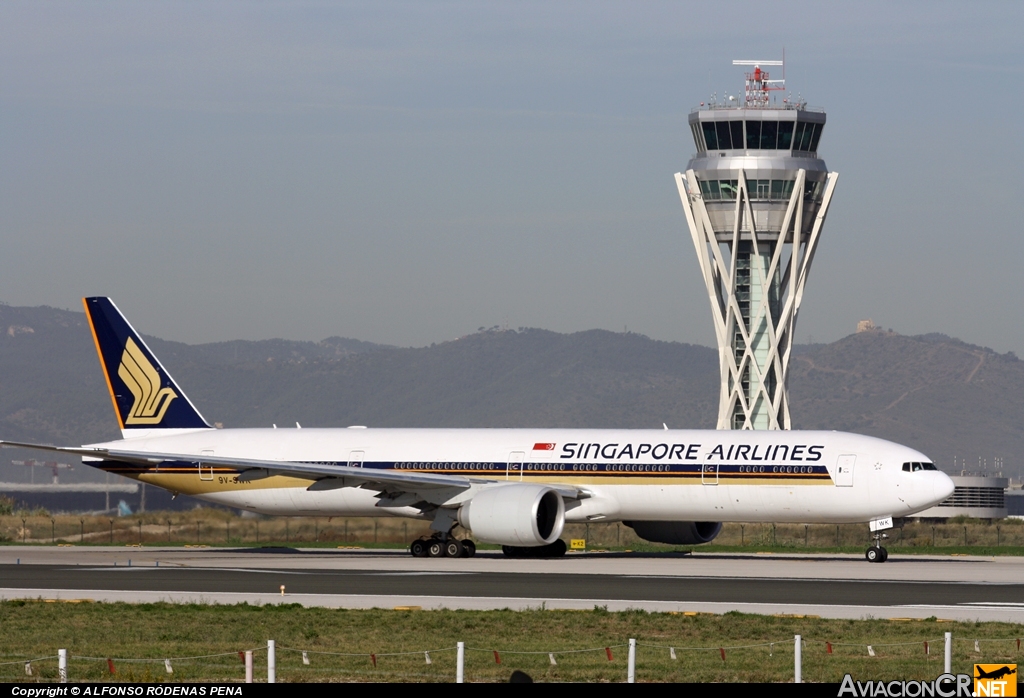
(143, 380)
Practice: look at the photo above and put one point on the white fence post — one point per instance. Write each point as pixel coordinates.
(248, 666)
(798, 659)
(460, 662)
(271, 661)
(948, 659)
(631, 667)
(62, 665)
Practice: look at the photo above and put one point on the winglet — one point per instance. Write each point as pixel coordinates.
(145, 396)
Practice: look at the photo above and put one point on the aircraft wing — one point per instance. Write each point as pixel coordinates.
(325, 476)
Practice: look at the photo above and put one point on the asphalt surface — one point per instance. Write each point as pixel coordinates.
(837, 586)
(493, 584)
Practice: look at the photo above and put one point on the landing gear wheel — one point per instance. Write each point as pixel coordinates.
(453, 548)
(876, 554)
(511, 551)
(418, 548)
(435, 547)
(468, 548)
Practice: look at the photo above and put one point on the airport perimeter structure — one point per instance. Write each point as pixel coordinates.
(755, 196)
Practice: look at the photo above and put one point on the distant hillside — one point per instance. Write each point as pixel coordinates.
(935, 393)
(940, 395)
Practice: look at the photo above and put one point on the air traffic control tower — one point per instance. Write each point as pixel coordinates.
(755, 196)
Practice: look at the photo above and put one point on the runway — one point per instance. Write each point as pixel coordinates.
(841, 586)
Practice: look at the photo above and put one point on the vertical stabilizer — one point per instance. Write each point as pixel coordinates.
(145, 396)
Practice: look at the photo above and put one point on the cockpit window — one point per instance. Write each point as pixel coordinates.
(915, 467)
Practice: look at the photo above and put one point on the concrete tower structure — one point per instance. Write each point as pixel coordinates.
(755, 196)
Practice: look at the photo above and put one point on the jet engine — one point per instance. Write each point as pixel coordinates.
(676, 532)
(516, 515)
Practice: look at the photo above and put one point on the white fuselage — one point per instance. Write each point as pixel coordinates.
(643, 475)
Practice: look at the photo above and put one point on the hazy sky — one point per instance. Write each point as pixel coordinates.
(408, 172)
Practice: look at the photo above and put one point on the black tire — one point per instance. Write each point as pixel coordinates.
(468, 548)
(558, 548)
(872, 554)
(510, 551)
(885, 554)
(435, 548)
(418, 548)
(453, 548)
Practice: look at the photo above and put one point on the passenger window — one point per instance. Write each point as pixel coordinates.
(724, 139)
(710, 137)
(769, 131)
(785, 135)
(753, 135)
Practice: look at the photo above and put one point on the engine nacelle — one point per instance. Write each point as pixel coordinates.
(676, 532)
(517, 514)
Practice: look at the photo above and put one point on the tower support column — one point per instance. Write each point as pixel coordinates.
(755, 271)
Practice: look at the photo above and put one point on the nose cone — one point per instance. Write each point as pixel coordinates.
(943, 486)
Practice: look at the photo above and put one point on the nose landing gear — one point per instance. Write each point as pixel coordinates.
(876, 553)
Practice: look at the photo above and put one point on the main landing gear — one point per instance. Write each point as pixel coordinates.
(436, 546)
(876, 553)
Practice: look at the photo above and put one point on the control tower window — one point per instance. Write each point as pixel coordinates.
(737, 133)
(816, 137)
(724, 137)
(805, 137)
(812, 190)
(758, 188)
(697, 139)
(753, 135)
(729, 188)
(785, 135)
(769, 133)
(710, 136)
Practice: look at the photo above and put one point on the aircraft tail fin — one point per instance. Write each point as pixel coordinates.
(145, 396)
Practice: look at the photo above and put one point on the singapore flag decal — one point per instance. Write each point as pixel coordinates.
(543, 447)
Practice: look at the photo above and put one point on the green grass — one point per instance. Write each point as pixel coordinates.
(339, 644)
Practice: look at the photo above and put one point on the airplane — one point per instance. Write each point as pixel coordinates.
(994, 674)
(512, 487)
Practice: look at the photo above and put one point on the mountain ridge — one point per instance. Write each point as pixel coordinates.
(943, 396)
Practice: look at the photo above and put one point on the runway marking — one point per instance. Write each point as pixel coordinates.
(179, 568)
(441, 573)
(831, 580)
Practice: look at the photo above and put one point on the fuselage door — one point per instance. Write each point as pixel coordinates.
(355, 459)
(709, 472)
(844, 470)
(515, 465)
(205, 470)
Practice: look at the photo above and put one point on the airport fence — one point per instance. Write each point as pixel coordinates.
(217, 527)
(461, 663)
